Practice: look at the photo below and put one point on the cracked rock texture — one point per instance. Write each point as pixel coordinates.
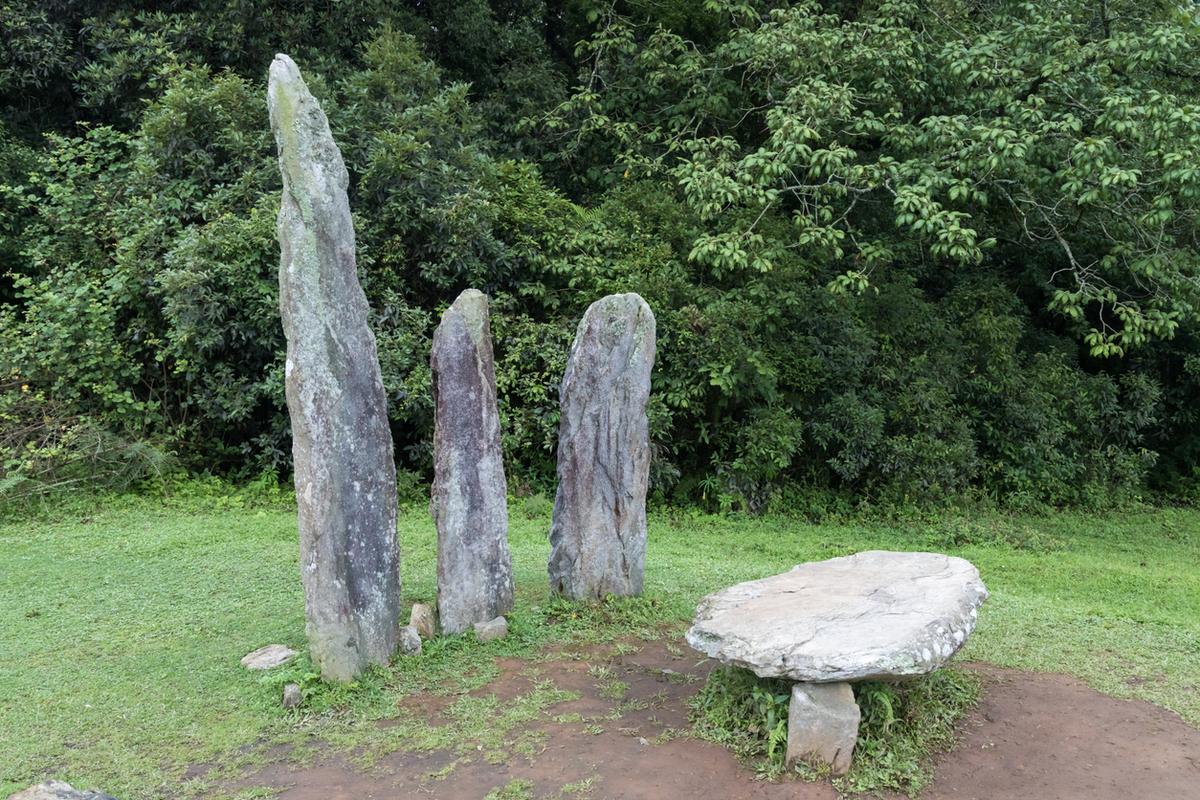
(875, 615)
(469, 498)
(341, 443)
(598, 534)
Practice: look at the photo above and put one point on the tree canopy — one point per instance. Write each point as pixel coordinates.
(899, 250)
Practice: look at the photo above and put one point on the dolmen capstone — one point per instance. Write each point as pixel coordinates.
(598, 531)
(341, 442)
(876, 615)
(469, 496)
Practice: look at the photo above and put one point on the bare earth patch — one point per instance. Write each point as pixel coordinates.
(1033, 735)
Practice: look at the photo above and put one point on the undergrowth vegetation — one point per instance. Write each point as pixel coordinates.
(122, 621)
(903, 726)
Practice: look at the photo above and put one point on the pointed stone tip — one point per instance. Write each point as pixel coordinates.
(626, 304)
(470, 301)
(471, 306)
(283, 68)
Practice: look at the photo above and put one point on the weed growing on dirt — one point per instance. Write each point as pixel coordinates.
(519, 789)
(745, 713)
(903, 725)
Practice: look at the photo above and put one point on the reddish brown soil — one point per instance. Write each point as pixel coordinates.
(1033, 737)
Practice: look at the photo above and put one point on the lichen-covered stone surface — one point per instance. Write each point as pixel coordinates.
(492, 629)
(469, 495)
(875, 615)
(422, 619)
(268, 657)
(410, 641)
(598, 534)
(57, 790)
(341, 443)
(292, 695)
(822, 725)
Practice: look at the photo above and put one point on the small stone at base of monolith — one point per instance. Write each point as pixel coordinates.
(492, 629)
(423, 620)
(410, 641)
(57, 790)
(822, 725)
(267, 657)
(292, 695)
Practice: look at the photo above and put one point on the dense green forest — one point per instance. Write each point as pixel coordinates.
(899, 250)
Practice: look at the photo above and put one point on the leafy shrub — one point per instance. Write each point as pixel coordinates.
(46, 450)
(938, 310)
(903, 725)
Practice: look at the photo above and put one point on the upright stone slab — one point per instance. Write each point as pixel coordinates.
(822, 725)
(598, 534)
(341, 443)
(469, 497)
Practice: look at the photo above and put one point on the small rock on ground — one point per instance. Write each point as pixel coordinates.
(410, 641)
(292, 695)
(267, 657)
(423, 620)
(492, 629)
(57, 790)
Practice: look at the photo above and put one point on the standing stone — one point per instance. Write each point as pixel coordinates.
(469, 495)
(822, 725)
(598, 534)
(341, 443)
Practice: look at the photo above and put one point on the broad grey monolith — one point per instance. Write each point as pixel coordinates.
(469, 495)
(341, 443)
(598, 533)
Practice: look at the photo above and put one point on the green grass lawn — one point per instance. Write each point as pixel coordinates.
(121, 626)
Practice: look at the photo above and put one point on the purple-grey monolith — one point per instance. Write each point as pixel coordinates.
(469, 495)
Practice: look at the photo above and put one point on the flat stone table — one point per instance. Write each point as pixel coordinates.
(876, 615)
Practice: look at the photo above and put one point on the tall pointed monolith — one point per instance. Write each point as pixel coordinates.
(469, 497)
(598, 535)
(341, 443)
